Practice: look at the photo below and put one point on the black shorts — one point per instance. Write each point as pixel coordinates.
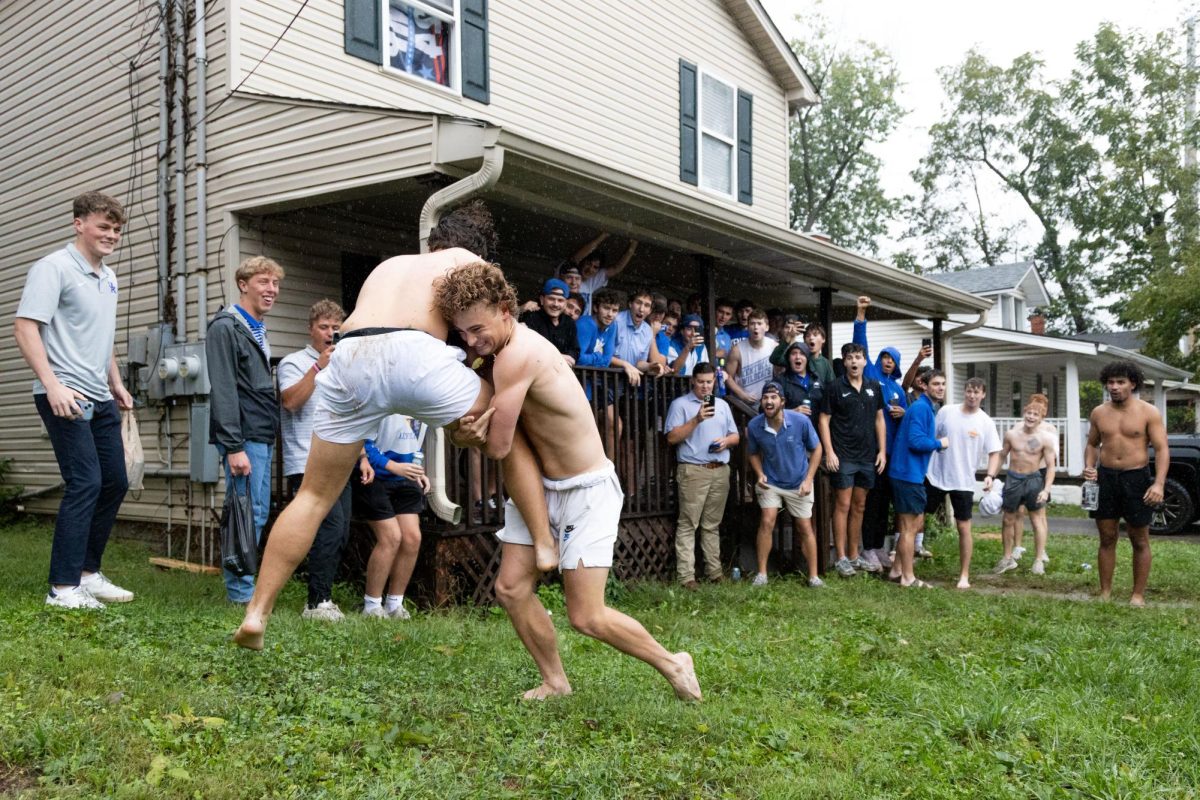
(961, 500)
(385, 499)
(859, 475)
(1121, 495)
(908, 497)
(1022, 490)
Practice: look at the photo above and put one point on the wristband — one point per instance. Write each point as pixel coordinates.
(316, 367)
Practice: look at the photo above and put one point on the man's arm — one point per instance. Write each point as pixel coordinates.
(623, 261)
(733, 365)
(1091, 452)
(1051, 460)
(814, 463)
(588, 248)
(120, 394)
(995, 458)
(860, 324)
(881, 438)
(910, 377)
(831, 459)
(682, 430)
(756, 465)
(29, 342)
(1157, 433)
(512, 376)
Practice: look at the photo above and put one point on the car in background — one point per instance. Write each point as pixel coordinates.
(1181, 495)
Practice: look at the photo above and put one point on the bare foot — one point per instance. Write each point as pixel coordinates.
(546, 556)
(1137, 601)
(250, 634)
(1105, 597)
(546, 690)
(683, 678)
(963, 583)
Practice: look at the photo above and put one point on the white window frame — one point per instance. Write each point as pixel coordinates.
(455, 62)
(701, 72)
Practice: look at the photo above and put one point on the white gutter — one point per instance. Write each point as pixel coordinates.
(481, 180)
(980, 321)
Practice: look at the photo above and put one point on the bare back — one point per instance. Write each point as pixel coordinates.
(399, 293)
(1123, 433)
(555, 415)
(1029, 452)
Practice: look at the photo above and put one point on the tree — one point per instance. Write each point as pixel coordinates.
(1092, 159)
(835, 183)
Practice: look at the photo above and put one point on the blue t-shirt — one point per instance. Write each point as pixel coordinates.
(595, 345)
(784, 452)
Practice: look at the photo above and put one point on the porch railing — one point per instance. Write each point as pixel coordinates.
(1061, 427)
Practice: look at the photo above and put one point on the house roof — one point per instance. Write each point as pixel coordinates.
(1022, 275)
(1126, 340)
(775, 52)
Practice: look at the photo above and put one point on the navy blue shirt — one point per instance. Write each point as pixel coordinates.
(784, 452)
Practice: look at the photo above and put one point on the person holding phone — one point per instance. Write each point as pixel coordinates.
(701, 427)
(64, 328)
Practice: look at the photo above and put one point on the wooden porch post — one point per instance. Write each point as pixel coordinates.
(938, 346)
(1074, 428)
(825, 311)
(704, 278)
(1160, 398)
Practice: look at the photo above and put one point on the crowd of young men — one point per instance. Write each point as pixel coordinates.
(353, 423)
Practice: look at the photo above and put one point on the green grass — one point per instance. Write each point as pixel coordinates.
(863, 690)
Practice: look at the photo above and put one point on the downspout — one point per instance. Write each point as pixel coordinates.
(980, 321)
(479, 181)
(180, 173)
(201, 174)
(164, 75)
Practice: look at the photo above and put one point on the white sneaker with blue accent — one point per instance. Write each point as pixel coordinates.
(75, 597)
(103, 589)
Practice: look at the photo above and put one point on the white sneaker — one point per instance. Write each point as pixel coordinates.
(104, 590)
(1017, 553)
(399, 612)
(1004, 565)
(374, 611)
(759, 580)
(75, 597)
(325, 611)
(815, 583)
(1039, 567)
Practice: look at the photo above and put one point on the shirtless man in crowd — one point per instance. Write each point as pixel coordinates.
(1121, 432)
(533, 382)
(1028, 447)
(392, 358)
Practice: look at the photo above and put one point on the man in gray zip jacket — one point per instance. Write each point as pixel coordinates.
(245, 413)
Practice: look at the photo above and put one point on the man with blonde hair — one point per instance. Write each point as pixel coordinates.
(244, 412)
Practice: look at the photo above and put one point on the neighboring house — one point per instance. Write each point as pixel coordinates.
(1016, 358)
(337, 130)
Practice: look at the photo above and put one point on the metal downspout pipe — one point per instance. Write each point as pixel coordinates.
(180, 260)
(201, 174)
(481, 180)
(163, 154)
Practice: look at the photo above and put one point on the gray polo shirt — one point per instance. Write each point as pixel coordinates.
(694, 449)
(77, 312)
(296, 426)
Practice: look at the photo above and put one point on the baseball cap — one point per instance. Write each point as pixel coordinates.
(555, 286)
(773, 386)
(569, 269)
(692, 319)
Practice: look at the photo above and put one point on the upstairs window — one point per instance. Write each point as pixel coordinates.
(715, 134)
(421, 39)
(718, 132)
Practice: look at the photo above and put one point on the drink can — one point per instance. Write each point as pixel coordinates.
(736, 574)
(419, 459)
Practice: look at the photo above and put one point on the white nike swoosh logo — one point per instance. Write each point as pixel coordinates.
(847, 394)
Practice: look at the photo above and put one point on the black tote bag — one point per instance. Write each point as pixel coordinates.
(239, 548)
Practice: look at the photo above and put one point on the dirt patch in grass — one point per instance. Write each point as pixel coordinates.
(14, 779)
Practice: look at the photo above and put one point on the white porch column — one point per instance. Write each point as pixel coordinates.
(1074, 428)
(1160, 398)
(948, 368)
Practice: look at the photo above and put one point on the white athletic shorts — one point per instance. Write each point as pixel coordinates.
(402, 372)
(585, 512)
(798, 505)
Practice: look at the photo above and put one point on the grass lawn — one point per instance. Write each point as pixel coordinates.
(863, 690)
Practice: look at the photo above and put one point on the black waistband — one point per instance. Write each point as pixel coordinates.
(337, 337)
(1115, 471)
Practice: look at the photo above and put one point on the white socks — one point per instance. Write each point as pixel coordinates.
(392, 602)
(371, 602)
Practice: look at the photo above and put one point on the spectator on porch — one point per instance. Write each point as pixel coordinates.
(687, 348)
(802, 390)
(819, 365)
(595, 275)
(574, 306)
(739, 328)
(552, 323)
(749, 366)
(675, 307)
(791, 330)
(722, 342)
(297, 374)
(784, 454)
(634, 340)
(701, 426)
(695, 304)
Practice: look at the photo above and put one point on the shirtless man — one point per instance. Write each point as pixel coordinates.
(534, 383)
(1027, 447)
(392, 358)
(1120, 431)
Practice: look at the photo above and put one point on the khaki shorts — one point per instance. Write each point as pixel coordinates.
(798, 505)
(585, 513)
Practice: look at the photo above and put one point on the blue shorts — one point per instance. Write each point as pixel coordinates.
(907, 497)
(852, 473)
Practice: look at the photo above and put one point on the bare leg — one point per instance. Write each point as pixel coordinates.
(803, 530)
(1041, 529)
(1140, 539)
(515, 589)
(909, 525)
(1018, 532)
(1008, 533)
(841, 515)
(858, 504)
(763, 542)
(387, 544)
(325, 477)
(406, 555)
(965, 547)
(1106, 558)
(584, 590)
(523, 477)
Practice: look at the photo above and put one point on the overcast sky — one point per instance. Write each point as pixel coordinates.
(923, 35)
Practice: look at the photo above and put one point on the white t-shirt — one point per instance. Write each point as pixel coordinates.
(590, 286)
(754, 365)
(296, 426)
(972, 437)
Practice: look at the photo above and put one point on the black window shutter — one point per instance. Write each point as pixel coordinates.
(363, 37)
(688, 125)
(474, 37)
(745, 141)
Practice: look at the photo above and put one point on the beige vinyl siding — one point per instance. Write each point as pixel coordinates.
(597, 81)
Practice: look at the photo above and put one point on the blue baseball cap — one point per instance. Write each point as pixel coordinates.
(692, 319)
(773, 386)
(555, 286)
